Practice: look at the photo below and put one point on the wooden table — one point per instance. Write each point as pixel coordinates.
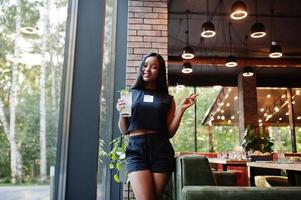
(240, 166)
(227, 162)
(293, 170)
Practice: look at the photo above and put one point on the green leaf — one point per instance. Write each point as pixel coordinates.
(111, 166)
(113, 157)
(118, 166)
(116, 178)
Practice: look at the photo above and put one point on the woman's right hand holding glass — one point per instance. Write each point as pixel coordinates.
(120, 104)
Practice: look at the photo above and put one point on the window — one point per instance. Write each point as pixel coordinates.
(31, 61)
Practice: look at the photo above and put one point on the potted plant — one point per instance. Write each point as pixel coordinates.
(258, 143)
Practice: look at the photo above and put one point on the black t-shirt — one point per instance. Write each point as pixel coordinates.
(149, 110)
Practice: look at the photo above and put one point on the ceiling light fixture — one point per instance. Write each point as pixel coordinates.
(208, 29)
(275, 49)
(258, 29)
(27, 30)
(217, 87)
(239, 10)
(186, 68)
(231, 60)
(188, 50)
(180, 86)
(248, 72)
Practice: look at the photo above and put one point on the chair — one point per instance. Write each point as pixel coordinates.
(270, 181)
(195, 170)
(194, 180)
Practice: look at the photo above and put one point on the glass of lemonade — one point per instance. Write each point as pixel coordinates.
(126, 96)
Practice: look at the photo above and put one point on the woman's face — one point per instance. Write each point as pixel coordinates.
(150, 69)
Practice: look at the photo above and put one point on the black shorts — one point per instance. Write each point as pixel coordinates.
(150, 152)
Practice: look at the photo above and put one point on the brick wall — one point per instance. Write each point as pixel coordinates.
(147, 32)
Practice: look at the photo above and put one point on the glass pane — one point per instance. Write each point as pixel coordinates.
(31, 61)
(106, 103)
(216, 120)
(224, 120)
(296, 93)
(184, 138)
(273, 116)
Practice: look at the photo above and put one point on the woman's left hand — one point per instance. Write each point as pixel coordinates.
(189, 101)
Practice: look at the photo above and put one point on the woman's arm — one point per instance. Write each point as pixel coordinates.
(174, 117)
(123, 124)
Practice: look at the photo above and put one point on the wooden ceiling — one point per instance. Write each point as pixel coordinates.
(208, 66)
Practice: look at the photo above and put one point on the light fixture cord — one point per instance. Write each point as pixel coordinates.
(246, 38)
(256, 11)
(230, 38)
(207, 10)
(272, 24)
(187, 32)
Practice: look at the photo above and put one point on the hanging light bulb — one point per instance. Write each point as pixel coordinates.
(275, 50)
(188, 53)
(239, 10)
(248, 71)
(231, 61)
(180, 86)
(186, 68)
(188, 50)
(29, 30)
(258, 30)
(217, 87)
(208, 29)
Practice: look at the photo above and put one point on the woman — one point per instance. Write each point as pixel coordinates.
(149, 154)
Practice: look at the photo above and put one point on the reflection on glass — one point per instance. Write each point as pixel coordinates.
(216, 120)
(32, 52)
(106, 103)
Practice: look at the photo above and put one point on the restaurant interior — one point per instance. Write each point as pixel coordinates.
(254, 61)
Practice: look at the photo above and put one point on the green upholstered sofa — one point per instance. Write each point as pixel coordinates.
(194, 180)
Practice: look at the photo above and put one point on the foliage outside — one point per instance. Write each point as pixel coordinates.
(256, 140)
(224, 138)
(30, 81)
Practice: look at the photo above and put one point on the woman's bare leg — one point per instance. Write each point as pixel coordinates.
(142, 183)
(160, 180)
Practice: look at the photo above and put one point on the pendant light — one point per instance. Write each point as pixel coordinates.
(188, 50)
(180, 86)
(208, 29)
(239, 10)
(275, 49)
(248, 72)
(186, 68)
(231, 60)
(217, 87)
(28, 30)
(258, 29)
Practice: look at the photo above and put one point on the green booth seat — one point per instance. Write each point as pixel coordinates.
(194, 180)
